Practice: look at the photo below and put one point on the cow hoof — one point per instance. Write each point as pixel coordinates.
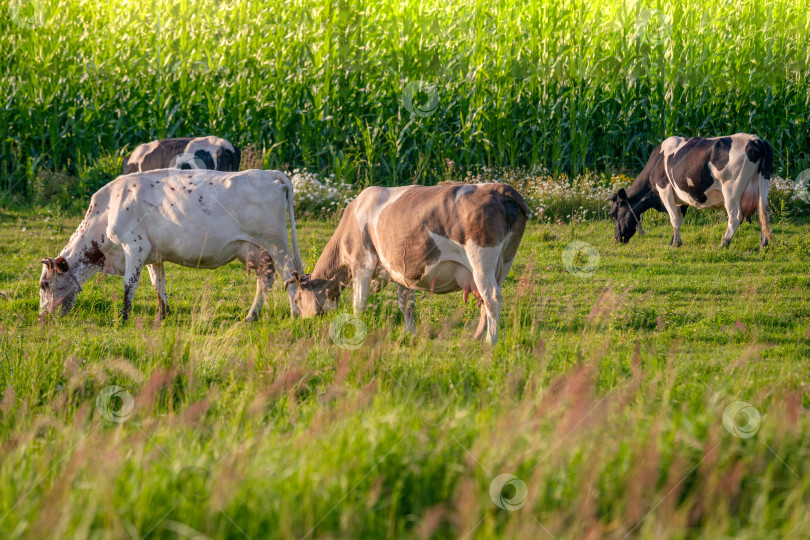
(252, 317)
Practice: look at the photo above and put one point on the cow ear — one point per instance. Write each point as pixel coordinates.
(61, 265)
(622, 194)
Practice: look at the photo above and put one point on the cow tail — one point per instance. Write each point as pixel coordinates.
(765, 170)
(522, 204)
(237, 160)
(299, 264)
(518, 199)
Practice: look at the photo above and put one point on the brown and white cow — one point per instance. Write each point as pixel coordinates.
(437, 239)
(197, 218)
(184, 153)
(720, 172)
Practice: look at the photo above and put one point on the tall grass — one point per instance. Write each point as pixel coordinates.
(605, 396)
(566, 85)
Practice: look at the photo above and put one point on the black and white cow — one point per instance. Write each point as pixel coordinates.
(184, 153)
(719, 172)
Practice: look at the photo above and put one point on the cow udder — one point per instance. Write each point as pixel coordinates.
(748, 201)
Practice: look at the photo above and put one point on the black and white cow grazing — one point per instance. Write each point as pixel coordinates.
(184, 153)
(198, 219)
(719, 172)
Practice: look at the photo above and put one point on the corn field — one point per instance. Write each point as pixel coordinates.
(394, 92)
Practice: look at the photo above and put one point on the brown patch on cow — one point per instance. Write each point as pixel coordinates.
(171, 188)
(155, 154)
(485, 214)
(92, 254)
(330, 264)
(456, 211)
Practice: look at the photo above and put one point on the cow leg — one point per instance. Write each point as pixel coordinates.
(482, 324)
(764, 212)
(279, 251)
(360, 288)
(132, 275)
(485, 271)
(407, 305)
(675, 215)
(157, 273)
(732, 193)
(257, 259)
(491, 297)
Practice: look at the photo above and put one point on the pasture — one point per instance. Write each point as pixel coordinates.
(636, 391)
(604, 397)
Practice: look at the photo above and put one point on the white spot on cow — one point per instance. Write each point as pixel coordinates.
(464, 191)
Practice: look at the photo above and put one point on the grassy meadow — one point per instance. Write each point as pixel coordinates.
(604, 397)
(636, 391)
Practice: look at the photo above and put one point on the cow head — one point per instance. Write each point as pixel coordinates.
(314, 296)
(58, 287)
(625, 221)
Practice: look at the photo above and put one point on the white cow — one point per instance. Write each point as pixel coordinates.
(195, 218)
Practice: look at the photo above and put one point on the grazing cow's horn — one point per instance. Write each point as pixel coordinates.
(294, 279)
(47, 261)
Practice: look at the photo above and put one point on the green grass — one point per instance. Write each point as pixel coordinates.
(604, 395)
(322, 83)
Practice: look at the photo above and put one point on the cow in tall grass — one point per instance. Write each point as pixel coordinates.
(437, 239)
(720, 172)
(184, 153)
(198, 219)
